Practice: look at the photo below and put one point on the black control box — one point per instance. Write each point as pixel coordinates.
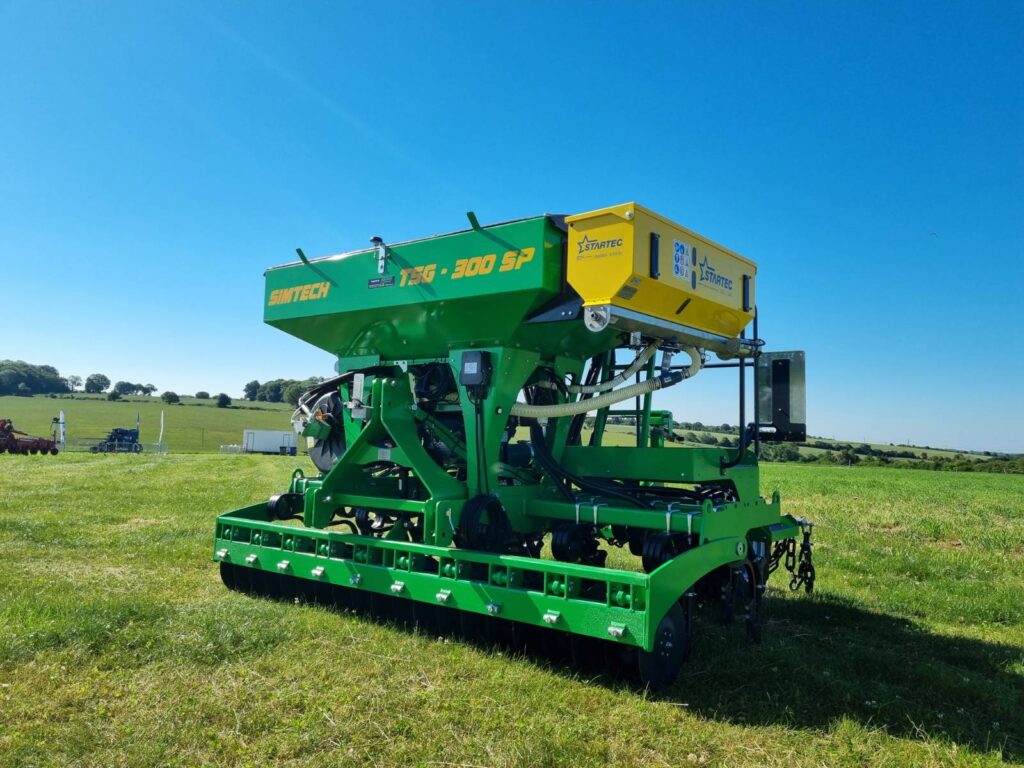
(476, 369)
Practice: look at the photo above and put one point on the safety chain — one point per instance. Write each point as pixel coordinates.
(800, 565)
(804, 575)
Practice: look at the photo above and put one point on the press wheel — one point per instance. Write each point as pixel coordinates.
(227, 575)
(660, 666)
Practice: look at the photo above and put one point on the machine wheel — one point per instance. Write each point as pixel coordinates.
(227, 575)
(243, 580)
(658, 549)
(282, 506)
(53, 451)
(660, 666)
(484, 524)
(740, 597)
(33, 451)
(577, 543)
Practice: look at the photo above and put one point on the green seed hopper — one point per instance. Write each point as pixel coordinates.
(467, 478)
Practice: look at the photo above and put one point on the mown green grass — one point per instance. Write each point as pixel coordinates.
(120, 647)
(193, 426)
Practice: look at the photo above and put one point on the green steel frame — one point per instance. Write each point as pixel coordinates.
(395, 331)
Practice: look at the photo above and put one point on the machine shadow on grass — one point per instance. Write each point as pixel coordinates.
(821, 660)
(825, 659)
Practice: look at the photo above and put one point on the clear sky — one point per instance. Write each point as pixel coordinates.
(156, 157)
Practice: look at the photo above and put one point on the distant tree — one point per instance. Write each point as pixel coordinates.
(74, 382)
(23, 390)
(125, 388)
(251, 390)
(170, 397)
(38, 379)
(202, 395)
(96, 383)
(787, 452)
(148, 389)
(223, 401)
(270, 392)
(847, 456)
(113, 395)
(293, 392)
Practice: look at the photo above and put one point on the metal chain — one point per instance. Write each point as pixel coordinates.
(804, 575)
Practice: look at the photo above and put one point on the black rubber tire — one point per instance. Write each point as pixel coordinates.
(281, 506)
(426, 617)
(660, 666)
(491, 535)
(587, 654)
(341, 597)
(658, 549)
(285, 587)
(620, 661)
(472, 628)
(243, 580)
(323, 593)
(447, 622)
(259, 582)
(747, 593)
(227, 575)
(402, 613)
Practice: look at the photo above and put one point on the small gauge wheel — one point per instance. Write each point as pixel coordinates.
(660, 666)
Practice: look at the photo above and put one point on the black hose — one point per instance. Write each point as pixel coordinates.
(744, 444)
(547, 462)
(480, 453)
(542, 452)
(332, 384)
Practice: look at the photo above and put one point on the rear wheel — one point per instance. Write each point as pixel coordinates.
(227, 575)
(660, 666)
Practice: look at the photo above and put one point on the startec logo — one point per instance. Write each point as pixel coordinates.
(709, 276)
(586, 244)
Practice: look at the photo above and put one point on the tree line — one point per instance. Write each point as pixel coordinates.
(20, 378)
(848, 456)
(279, 390)
(26, 379)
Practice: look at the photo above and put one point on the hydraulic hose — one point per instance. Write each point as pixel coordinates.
(641, 360)
(607, 399)
(564, 480)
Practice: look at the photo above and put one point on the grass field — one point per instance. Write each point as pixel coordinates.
(193, 426)
(120, 647)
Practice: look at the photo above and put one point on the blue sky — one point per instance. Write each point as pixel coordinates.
(155, 158)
